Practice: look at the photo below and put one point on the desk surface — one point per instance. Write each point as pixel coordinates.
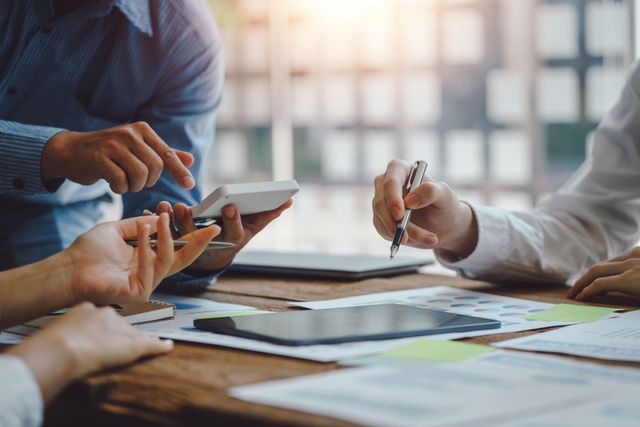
(188, 386)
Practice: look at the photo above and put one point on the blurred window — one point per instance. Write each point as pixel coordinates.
(499, 96)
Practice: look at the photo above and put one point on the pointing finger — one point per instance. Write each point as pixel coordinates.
(172, 161)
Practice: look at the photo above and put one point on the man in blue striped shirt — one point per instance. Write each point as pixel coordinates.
(98, 93)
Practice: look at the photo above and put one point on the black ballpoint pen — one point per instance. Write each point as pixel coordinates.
(416, 176)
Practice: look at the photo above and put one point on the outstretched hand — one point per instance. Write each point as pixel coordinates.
(106, 270)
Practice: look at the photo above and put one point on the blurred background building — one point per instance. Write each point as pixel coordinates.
(499, 96)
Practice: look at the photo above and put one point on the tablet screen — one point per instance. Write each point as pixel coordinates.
(347, 324)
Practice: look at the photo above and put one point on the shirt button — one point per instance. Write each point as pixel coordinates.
(18, 183)
(12, 91)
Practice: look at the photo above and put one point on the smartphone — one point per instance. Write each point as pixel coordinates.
(250, 198)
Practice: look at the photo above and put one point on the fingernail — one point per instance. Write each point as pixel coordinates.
(188, 181)
(147, 212)
(168, 343)
(410, 200)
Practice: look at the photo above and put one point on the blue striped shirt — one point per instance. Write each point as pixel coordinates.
(107, 63)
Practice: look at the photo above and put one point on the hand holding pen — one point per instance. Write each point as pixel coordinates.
(178, 243)
(439, 220)
(415, 178)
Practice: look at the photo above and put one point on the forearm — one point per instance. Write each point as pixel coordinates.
(538, 246)
(44, 287)
(50, 361)
(35, 290)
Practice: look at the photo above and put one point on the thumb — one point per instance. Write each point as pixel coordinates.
(422, 196)
(437, 194)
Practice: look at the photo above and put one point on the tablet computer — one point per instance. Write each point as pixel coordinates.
(345, 324)
(249, 197)
(323, 265)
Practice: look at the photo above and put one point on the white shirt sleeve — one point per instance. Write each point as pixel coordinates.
(593, 217)
(20, 398)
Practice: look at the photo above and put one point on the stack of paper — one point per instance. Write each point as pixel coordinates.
(512, 312)
(188, 309)
(499, 388)
(9, 338)
(614, 339)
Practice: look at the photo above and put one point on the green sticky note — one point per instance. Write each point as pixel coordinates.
(230, 314)
(572, 313)
(396, 362)
(439, 350)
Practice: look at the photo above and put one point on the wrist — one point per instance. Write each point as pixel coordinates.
(464, 235)
(61, 271)
(45, 288)
(51, 161)
(50, 360)
(74, 355)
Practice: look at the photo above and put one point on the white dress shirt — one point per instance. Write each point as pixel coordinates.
(593, 217)
(20, 398)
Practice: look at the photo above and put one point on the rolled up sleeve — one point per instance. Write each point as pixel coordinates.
(595, 215)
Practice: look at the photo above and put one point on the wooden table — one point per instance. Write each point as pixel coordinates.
(188, 386)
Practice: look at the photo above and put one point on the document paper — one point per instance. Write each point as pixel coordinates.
(181, 328)
(508, 310)
(614, 339)
(500, 388)
(511, 312)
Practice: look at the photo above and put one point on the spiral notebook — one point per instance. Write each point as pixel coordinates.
(135, 313)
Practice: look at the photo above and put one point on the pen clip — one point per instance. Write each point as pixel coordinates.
(412, 173)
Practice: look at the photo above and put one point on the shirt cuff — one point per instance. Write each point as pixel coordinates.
(492, 248)
(21, 403)
(21, 149)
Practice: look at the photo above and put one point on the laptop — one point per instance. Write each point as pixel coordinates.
(323, 265)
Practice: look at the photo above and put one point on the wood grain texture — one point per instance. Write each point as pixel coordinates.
(188, 386)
